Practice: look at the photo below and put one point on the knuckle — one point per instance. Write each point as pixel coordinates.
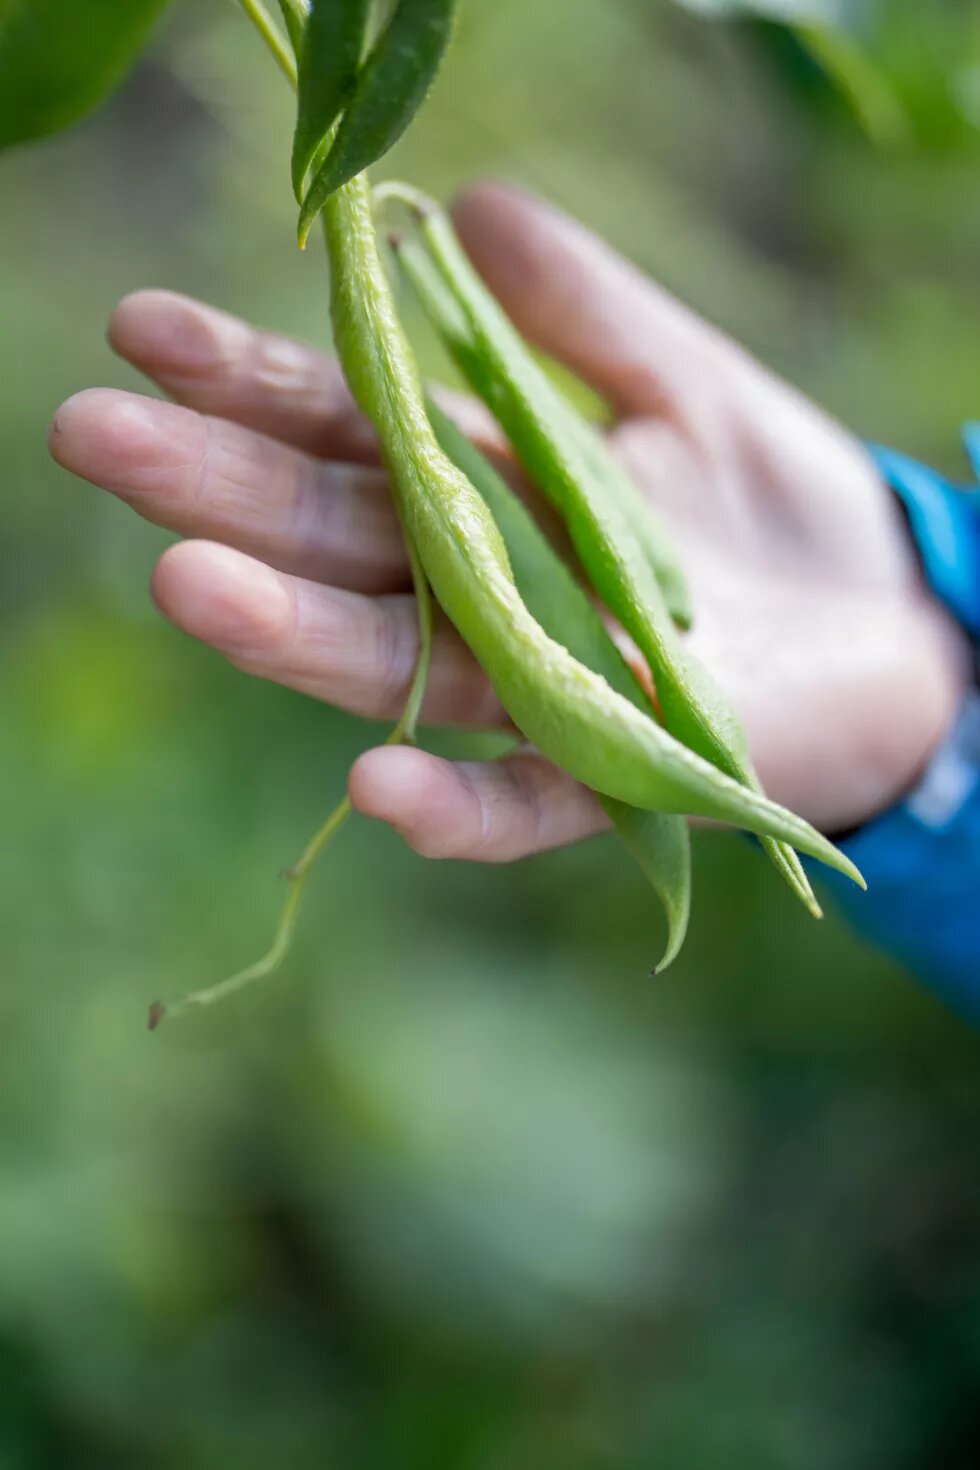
(199, 484)
(526, 804)
(279, 367)
(268, 631)
(394, 649)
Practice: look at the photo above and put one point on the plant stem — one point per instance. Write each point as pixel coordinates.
(269, 31)
(295, 14)
(273, 958)
(298, 874)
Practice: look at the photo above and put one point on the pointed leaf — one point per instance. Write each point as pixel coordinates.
(329, 56)
(390, 90)
(294, 14)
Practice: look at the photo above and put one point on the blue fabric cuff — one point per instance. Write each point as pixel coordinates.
(945, 521)
(922, 858)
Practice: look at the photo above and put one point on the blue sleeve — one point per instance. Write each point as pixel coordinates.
(922, 858)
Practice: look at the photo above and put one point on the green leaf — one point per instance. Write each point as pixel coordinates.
(294, 14)
(329, 56)
(390, 90)
(860, 81)
(61, 58)
(821, 29)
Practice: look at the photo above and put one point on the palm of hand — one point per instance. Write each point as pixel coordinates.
(809, 609)
(809, 604)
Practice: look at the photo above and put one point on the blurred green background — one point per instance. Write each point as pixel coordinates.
(464, 1188)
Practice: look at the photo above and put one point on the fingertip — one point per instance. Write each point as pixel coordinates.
(490, 198)
(168, 332)
(137, 316)
(418, 794)
(100, 430)
(390, 782)
(65, 422)
(491, 219)
(223, 597)
(475, 199)
(73, 413)
(511, 233)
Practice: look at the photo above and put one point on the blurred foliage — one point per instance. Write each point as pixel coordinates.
(58, 61)
(465, 1188)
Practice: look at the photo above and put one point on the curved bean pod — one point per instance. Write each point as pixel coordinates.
(571, 714)
(571, 465)
(658, 840)
(452, 324)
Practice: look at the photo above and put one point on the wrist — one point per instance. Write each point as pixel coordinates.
(940, 631)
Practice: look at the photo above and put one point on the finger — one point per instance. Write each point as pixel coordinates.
(220, 365)
(356, 652)
(491, 812)
(582, 302)
(205, 477)
(214, 362)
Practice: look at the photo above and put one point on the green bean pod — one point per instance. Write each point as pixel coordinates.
(452, 324)
(331, 45)
(569, 463)
(391, 87)
(659, 840)
(570, 713)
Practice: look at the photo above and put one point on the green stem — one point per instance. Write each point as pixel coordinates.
(295, 14)
(299, 873)
(269, 31)
(274, 956)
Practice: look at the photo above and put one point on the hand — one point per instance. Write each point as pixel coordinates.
(809, 607)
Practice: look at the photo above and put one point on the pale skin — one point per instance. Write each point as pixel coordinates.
(810, 609)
